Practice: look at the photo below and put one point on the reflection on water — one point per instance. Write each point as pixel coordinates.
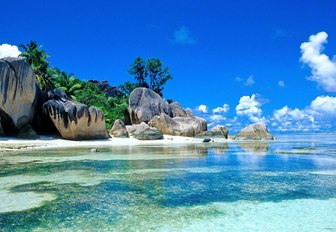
(201, 187)
(255, 148)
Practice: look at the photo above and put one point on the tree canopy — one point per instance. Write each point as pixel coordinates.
(150, 73)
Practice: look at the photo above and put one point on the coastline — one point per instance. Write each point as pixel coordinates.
(45, 143)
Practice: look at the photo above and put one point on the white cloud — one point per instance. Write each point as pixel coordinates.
(248, 82)
(202, 108)
(250, 107)
(323, 69)
(320, 114)
(225, 108)
(325, 105)
(183, 36)
(281, 84)
(7, 50)
(217, 118)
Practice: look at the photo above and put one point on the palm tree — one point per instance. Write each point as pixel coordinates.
(37, 58)
(68, 83)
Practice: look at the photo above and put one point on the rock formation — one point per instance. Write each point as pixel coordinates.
(144, 104)
(147, 106)
(256, 131)
(144, 132)
(17, 94)
(118, 129)
(216, 132)
(73, 120)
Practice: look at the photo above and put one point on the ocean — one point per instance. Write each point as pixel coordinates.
(284, 185)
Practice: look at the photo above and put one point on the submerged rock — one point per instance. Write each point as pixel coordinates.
(119, 130)
(17, 94)
(144, 104)
(76, 121)
(256, 131)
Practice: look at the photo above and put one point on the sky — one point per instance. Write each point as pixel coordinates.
(233, 62)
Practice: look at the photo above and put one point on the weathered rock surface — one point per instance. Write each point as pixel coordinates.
(177, 110)
(144, 104)
(17, 94)
(27, 132)
(118, 129)
(75, 121)
(144, 132)
(256, 131)
(216, 132)
(180, 126)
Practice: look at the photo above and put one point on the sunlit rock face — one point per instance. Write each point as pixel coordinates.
(256, 131)
(17, 94)
(144, 104)
(76, 121)
(216, 132)
(118, 130)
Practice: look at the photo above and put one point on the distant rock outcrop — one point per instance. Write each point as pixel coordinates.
(216, 132)
(75, 121)
(17, 94)
(118, 129)
(144, 104)
(256, 131)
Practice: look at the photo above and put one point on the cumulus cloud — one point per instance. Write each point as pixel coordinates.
(183, 36)
(320, 114)
(323, 69)
(7, 50)
(250, 107)
(221, 109)
(281, 84)
(324, 105)
(202, 108)
(217, 118)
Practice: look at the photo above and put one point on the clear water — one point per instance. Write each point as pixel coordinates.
(285, 185)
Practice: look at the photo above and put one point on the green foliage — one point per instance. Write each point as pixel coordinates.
(88, 93)
(158, 76)
(138, 69)
(37, 58)
(127, 87)
(152, 70)
(113, 108)
(68, 83)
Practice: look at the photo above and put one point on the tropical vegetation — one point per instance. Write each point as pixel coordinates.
(113, 101)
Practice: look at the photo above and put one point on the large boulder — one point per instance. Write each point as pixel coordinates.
(181, 126)
(144, 132)
(256, 131)
(144, 104)
(17, 94)
(177, 110)
(216, 132)
(75, 121)
(118, 130)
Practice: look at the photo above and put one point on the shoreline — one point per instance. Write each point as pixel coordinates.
(46, 143)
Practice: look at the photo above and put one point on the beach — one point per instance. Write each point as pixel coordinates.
(13, 144)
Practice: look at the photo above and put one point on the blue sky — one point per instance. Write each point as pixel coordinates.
(242, 56)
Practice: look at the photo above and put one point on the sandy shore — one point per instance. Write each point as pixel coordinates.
(12, 144)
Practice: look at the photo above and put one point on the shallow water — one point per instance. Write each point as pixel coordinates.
(285, 185)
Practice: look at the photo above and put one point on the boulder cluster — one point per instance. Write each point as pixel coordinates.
(25, 113)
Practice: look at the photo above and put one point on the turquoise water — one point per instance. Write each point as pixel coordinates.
(285, 185)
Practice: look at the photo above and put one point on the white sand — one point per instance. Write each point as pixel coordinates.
(13, 144)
